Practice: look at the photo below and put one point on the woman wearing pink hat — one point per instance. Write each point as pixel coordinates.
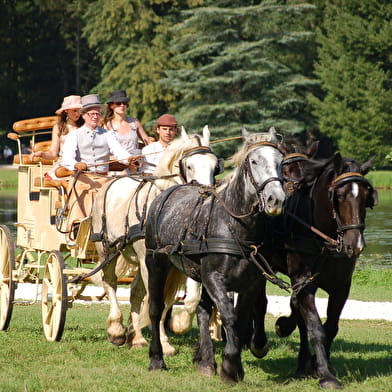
(69, 118)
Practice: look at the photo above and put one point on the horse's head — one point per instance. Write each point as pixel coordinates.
(348, 194)
(262, 158)
(294, 163)
(191, 158)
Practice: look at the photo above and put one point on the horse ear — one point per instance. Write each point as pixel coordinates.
(311, 151)
(244, 132)
(206, 134)
(365, 167)
(338, 162)
(184, 134)
(272, 131)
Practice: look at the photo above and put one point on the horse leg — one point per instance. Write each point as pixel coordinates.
(231, 370)
(181, 322)
(285, 325)
(251, 310)
(158, 268)
(204, 355)
(138, 292)
(167, 348)
(114, 324)
(336, 302)
(308, 311)
(259, 343)
(304, 362)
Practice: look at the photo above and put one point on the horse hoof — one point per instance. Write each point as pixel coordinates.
(157, 365)
(231, 378)
(259, 352)
(283, 327)
(208, 371)
(168, 350)
(117, 340)
(331, 383)
(137, 343)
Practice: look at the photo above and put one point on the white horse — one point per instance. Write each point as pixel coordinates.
(119, 212)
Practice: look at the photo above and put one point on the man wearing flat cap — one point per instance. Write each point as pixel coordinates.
(166, 131)
(88, 149)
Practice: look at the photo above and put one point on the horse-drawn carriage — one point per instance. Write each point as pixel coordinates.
(231, 221)
(48, 251)
(44, 254)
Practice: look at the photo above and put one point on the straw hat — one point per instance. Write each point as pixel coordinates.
(70, 102)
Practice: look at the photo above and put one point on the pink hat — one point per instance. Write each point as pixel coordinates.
(70, 102)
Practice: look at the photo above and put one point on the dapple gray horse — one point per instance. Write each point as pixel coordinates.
(118, 215)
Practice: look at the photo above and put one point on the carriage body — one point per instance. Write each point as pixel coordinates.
(38, 205)
(43, 253)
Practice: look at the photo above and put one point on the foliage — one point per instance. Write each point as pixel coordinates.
(39, 63)
(225, 63)
(244, 63)
(354, 67)
(131, 41)
(84, 360)
(380, 179)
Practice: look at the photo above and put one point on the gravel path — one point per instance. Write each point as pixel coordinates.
(277, 305)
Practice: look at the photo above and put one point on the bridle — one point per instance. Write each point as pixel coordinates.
(339, 181)
(336, 183)
(260, 188)
(199, 150)
(291, 184)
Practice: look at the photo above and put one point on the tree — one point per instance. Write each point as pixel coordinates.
(131, 38)
(354, 68)
(38, 64)
(244, 63)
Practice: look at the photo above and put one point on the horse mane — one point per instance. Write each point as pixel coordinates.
(168, 164)
(250, 139)
(334, 164)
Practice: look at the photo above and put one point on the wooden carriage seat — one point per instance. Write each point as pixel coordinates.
(32, 127)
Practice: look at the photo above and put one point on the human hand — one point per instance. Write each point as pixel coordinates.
(146, 140)
(36, 156)
(81, 166)
(134, 163)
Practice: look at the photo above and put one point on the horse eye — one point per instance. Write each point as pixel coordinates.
(253, 161)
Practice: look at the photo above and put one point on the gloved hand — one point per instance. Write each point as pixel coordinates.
(82, 166)
(134, 164)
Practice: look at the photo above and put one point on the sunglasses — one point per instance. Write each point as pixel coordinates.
(93, 114)
(120, 103)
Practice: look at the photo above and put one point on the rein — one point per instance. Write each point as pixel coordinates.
(336, 183)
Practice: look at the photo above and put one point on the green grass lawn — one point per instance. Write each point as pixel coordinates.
(85, 361)
(368, 284)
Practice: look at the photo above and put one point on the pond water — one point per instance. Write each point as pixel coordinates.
(378, 233)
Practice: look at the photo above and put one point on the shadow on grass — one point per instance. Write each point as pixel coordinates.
(370, 363)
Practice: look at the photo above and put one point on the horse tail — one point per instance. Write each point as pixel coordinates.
(175, 279)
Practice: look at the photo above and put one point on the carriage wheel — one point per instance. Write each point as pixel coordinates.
(54, 297)
(7, 285)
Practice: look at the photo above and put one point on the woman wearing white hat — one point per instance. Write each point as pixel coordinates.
(69, 118)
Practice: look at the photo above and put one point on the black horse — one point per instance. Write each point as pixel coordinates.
(322, 231)
(209, 235)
